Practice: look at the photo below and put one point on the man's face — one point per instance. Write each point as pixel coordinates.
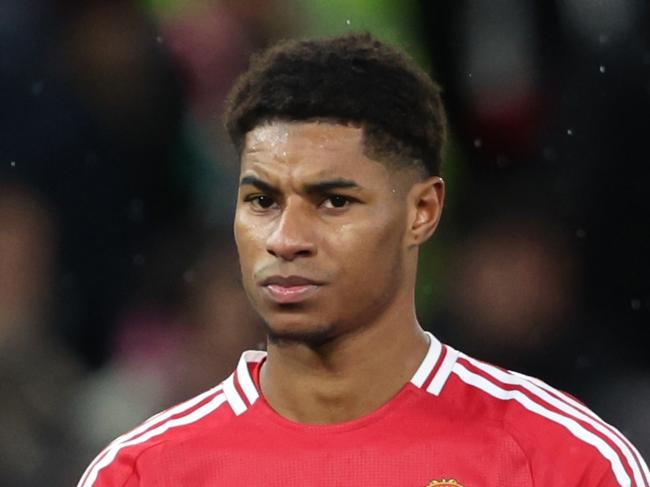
(319, 228)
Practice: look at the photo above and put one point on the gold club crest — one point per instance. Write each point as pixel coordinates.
(444, 483)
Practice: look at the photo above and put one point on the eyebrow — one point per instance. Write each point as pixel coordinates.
(314, 188)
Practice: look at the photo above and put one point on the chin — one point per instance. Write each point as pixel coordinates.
(292, 332)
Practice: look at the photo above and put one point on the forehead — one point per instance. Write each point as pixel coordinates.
(305, 136)
(317, 148)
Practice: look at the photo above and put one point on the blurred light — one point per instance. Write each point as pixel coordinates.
(598, 21)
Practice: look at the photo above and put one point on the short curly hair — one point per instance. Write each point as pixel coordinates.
(350, 79)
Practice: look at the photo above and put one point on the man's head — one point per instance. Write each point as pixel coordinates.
(341, 145)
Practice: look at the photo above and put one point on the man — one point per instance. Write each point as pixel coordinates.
(341, 144)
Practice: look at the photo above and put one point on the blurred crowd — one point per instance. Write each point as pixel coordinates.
(119, 285)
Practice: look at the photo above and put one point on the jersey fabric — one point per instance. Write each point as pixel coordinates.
(458, 422)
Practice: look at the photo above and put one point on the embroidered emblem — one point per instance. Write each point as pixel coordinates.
(444, 483)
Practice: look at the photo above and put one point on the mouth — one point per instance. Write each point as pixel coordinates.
(291, 294)
(291, 289)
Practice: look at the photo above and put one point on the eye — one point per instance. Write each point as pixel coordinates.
(337, 201)
(260, 201)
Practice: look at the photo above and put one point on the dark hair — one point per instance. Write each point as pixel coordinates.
(351, 79)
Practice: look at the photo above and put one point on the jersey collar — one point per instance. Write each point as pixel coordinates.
(431, 375)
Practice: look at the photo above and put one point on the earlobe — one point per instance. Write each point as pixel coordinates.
(426, 201)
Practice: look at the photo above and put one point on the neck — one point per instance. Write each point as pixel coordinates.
(346, 378)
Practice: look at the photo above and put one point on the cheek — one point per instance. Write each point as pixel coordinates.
(248, 256)
(370, 249)
(247, 239)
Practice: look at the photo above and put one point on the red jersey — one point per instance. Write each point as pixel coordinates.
(458, 422)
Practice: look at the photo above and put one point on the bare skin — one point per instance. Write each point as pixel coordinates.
(343, 333)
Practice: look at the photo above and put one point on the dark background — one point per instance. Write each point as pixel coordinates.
(119, 288)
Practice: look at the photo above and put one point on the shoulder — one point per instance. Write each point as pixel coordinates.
(560, 436)
(213, 409)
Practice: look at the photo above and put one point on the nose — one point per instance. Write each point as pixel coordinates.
(292, 236)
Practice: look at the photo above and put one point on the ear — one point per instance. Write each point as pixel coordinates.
(425, 202)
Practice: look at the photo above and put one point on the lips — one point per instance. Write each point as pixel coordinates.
(290, 289)
(288, 281)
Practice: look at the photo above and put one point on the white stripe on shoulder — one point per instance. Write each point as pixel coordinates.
(443, 373)
(112, 452)
(571, 425)
(246, 381)
(156, 419)
(429, 362)
(234, 399)
(581, 407)
(591, 419)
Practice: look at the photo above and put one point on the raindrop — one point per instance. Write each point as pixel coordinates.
(13, 163)
(502, 161)
(469, 75)
(549, 153)
(635, 304)
(159, 39)
(569, 131)
(581, 233)
(602, 68)
(583, 361)
(91, 158)
(136, 209)
(478, 143)
(188, 276)
(348, 22)
(37, 88)
(68, 280)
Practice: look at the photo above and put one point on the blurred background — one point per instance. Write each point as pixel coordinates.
(119, 286)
